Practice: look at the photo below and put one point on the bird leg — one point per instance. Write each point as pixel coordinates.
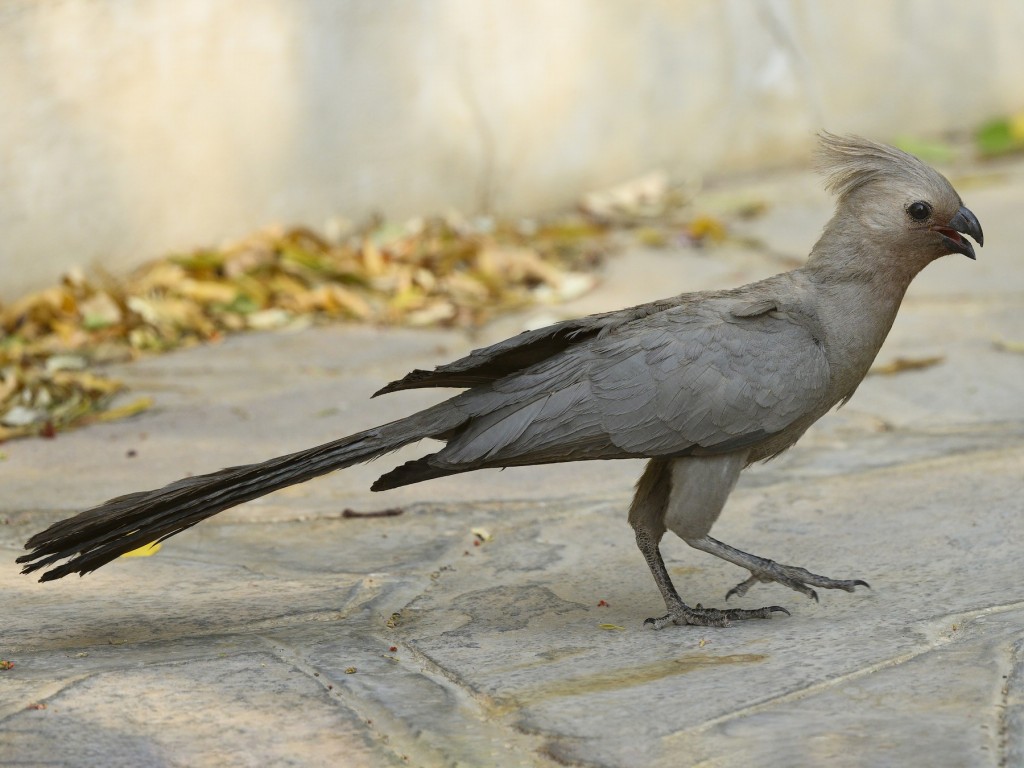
(764, 570)
(678, 611)
(647, 516)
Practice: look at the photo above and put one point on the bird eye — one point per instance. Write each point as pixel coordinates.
(919, 211)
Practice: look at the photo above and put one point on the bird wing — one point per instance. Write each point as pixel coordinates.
(703, 377)
(488, 364)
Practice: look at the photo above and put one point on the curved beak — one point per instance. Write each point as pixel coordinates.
(964, 222)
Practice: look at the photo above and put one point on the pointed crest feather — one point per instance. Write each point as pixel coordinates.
(850, 162)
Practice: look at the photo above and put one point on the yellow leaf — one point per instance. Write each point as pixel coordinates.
(123, 411)
(1009, 346)
(707, 228)
(901, 364)
(99, 310)
(431, 314)
(207, 291)
(160, 275)
(267, 319)
(145, 551)
(1017, 126)
(372, 258)
(652, 237)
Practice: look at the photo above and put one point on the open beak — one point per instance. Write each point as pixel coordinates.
(964, 222)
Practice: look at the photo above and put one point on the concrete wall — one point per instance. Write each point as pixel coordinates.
(128, 129)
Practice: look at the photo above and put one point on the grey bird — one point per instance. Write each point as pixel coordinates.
(702, 384)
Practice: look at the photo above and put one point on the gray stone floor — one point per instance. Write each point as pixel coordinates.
(281, 633)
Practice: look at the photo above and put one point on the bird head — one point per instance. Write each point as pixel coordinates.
(894, 198)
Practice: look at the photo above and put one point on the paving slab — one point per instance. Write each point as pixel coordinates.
(283, 633)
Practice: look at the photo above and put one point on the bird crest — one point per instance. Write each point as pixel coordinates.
(851, 162)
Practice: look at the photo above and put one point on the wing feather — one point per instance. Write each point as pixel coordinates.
(694, 378)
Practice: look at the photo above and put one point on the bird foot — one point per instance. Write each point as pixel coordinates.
(711, 617)
(799, 579)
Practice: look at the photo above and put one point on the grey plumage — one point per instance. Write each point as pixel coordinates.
(702, 384)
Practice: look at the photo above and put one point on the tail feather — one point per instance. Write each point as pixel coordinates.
(98, 535)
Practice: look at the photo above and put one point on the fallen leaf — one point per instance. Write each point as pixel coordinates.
(901, 364)
(20, 416)
(1017, 347)
(706, 227)
(267, 319)
(144, 551)
(123, 411)
(642, 196)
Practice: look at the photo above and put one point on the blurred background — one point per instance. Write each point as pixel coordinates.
(128, 129)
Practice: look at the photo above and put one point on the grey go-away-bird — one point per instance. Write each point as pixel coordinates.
(702, 384)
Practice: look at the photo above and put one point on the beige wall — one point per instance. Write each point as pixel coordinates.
(131, 128)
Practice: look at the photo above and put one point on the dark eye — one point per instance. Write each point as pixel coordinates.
(919, 211)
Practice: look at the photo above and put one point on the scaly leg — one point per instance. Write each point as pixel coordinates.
(647, 516)
(678, 611)
(763, 570)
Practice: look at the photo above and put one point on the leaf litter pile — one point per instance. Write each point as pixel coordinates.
(442, 271)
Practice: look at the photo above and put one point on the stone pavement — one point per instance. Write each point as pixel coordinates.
(282, 633)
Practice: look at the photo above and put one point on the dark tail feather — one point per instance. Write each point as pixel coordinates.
(96, 536)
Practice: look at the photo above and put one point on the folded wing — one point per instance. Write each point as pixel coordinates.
(691, 378)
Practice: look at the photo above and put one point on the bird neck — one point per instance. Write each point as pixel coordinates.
(858, 291)
(844, 254)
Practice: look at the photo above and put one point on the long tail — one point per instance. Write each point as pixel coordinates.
(96, 536)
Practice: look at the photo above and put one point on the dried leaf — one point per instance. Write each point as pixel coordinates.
(267, 319)
(99, 311)
(207, 292)
(901, 364)
(706, 228)
(433, 314)
(123, 411)
(65, 363)
(569, 286)
(643, 196)
(1009, 346)
(22, 416)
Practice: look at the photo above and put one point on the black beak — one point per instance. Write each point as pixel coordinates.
(964, 222)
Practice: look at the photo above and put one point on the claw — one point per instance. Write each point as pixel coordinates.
(797, 579)
(741, 589)
(711, 617)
